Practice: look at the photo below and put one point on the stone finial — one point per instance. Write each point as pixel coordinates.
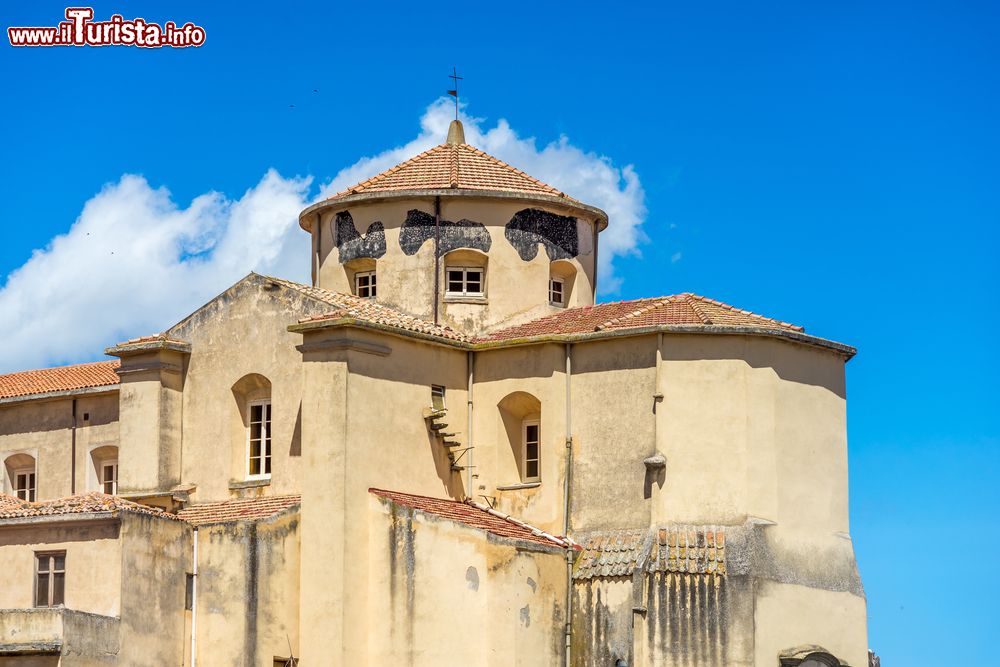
(456, 133)
(655, 462)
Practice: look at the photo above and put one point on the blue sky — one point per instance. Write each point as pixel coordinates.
(830, 164)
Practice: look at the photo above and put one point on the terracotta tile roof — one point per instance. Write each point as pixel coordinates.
(449, 166)
(680, 549)
(686, 310)
(368, 310)
(679, 309)
(60, 378)
(86, 503)
(474, 515)
(228, 511)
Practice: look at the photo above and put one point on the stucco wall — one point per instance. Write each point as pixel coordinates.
(93, 555)
(517, 289)
(43, 429)
(248, 591)
(444, 594)
(242, 332)
(156, 554)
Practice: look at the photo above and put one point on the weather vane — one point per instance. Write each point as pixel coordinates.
(454, 93)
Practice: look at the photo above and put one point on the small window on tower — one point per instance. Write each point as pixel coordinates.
(465, 281)
(364, 284)
(556, 297)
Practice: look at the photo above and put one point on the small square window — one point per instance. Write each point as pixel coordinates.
(465, 281)
(556, 292)
(24, 485)
(364, 284)
(437, 397)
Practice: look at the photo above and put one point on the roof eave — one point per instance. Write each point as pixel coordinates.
(796, 336)
(63, 393)
(305, 217)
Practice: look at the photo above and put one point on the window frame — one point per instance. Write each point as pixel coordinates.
(525, 477)
(465, 281)
(31, 489)
(438, 392)
(553, 280)
(265, 438)
(372, 284)
(103, 481)
(52, 571)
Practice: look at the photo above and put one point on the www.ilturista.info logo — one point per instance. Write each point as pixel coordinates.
(81, 30)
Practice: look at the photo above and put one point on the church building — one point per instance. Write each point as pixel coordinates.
(442, 451)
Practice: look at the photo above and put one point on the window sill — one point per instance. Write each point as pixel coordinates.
(458, 298)
(518, 487)
(249, 483)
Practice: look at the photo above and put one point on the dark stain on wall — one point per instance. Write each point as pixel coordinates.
(531, 226)
(353, 245)
(250, 638)
(419, 228)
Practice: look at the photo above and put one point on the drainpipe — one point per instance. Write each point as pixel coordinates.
(72, 453)
(437, 255)
(470, 361)
(194, 597)
(566, 503)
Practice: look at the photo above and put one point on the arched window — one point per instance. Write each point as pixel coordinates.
(363, 277)
(465, 274)
(22, 477)
(104, 469)
(562, 276)
(521, 419)
(253, 434)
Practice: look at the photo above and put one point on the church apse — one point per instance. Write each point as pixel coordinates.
(418, 228)
(351, 244)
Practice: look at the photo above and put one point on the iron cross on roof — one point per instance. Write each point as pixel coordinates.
(454, 93)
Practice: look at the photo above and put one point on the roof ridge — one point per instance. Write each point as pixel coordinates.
(695, 306)
(656, 303)
(741, 311)
(371, 180)
(507, 165)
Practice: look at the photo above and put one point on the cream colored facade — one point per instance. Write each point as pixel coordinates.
(734, 428)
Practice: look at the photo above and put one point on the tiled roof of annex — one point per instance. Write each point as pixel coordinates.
(674, 548)
(59, 378)
(475, 515)
(85, 503)
(240, 509)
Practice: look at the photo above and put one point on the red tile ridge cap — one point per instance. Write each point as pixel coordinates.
(564, 542)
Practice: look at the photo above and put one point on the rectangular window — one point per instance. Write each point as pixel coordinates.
(465, 281)
(109, 477)
(259, 440)
(50, 578)
(364, 284)
(556, 292)
(24, 485)
(531, 451)
(189, 591)
(437, 397)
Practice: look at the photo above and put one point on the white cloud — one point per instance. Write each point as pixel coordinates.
(135, 262)
(676, 257)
